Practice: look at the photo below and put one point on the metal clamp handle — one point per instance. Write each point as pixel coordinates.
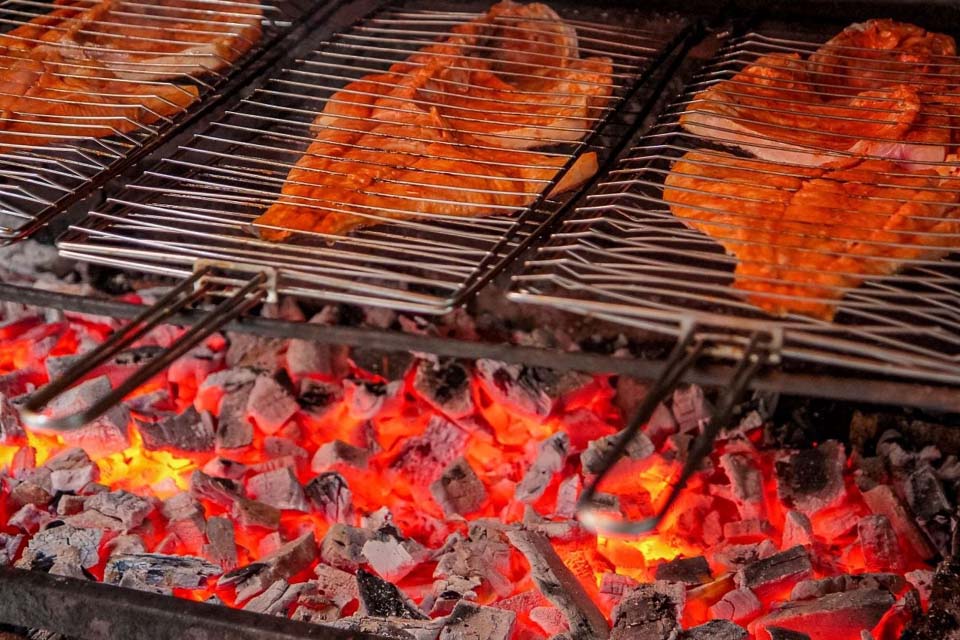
(682, 358)
(188, 292)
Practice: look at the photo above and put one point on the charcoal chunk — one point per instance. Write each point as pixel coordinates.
(775, 572)
(188, 431)
(382, 599)
(45, 546)
(329, 494)
(458, 490)
(716, 630)
(779, 633)
(812, 479)
(468, 621)
(688, 571)
(158, 570)
(550, 460)
(829, 617)
(645, 614)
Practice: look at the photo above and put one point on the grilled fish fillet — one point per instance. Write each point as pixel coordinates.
(449, 132)
(144, 41)
(804, 236)
(787, 109)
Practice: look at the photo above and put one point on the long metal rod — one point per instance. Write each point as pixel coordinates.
(88, 610)
(836, 386)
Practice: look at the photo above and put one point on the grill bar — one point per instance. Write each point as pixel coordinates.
(203, 201)
(625, 256)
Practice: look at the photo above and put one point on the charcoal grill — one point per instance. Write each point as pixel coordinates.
(188, 216)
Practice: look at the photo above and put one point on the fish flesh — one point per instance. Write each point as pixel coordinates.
(452, 131)
(787, 109)
(805, 236)
(145, 41)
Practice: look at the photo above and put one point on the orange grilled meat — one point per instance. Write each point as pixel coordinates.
(788, 109)
(803, 236)
(450, 132)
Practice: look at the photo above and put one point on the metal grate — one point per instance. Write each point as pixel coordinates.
(202, 202)
(86, 84)
(624, 256)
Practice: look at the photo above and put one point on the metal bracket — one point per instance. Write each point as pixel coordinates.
(762, 349)
(191, 290)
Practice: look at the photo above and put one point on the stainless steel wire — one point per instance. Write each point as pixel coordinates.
(424, 252)
(626, 256)
(114, 77)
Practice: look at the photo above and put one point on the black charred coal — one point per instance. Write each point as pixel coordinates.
(382, 599)
(942, 619)
(716, 630)
(689, 571)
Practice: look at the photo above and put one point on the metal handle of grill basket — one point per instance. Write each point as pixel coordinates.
(185, 294)
(684, 356)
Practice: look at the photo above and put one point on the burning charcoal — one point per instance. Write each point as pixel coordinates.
(255, 352)
(614, 586)
(11, 428)
(445, 385)
(128, 509)
(922, 581)
(382, 599)
(9, 547)
(225, 468)
(779, 633)
(329, 494)
(69, 505)
(43, 548)
(67, 564)
(26, 493)
(221, 547)
(928, 502)
(423, 458)
(833, 616)
(317, 398)
(807, 589)
(776, 572)
(691, 409)
(458, 490)
(715, 630)
(879, 543)
(746, 484)
(393, 556)
(752, 530)
(739, 605)
(127, 544)
(645, 614)
(342, 547)
(30, 519)
(883, 501)
(338, 586)
(234, 430)
(797, 530)
(560, 586)
(812, 480)
(942, 619)
(188, 431)
(516, 387)
(285, 562)
(279, 488)
(280, 447)
(220, 491)
(549, 619)
(216, 386)
(250, 513)
(557, 530)
(469, 621)
(550, 460)
(688, 571)
(315, 614)
(270, 405)
(483, 554)
(640, 447)
(182, 506)
(103, 436)
(568, 495)
(337, 453)
(367, 399)
(174, 572)
(278, 598)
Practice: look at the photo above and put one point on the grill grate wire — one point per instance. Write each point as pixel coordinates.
(624, 256)
(201, 202)
(62, 155)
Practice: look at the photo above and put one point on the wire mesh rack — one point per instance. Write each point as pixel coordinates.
(805, 190)
(393, 164)
(87, 84)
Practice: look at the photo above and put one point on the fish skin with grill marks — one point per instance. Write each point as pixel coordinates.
(804, 236)
(450, 132)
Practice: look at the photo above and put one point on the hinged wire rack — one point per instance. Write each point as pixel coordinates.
(201, 203)
(88, 85)
(624, 256)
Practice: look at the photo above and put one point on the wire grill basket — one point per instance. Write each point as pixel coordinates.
(202, 202)
(626, 256)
